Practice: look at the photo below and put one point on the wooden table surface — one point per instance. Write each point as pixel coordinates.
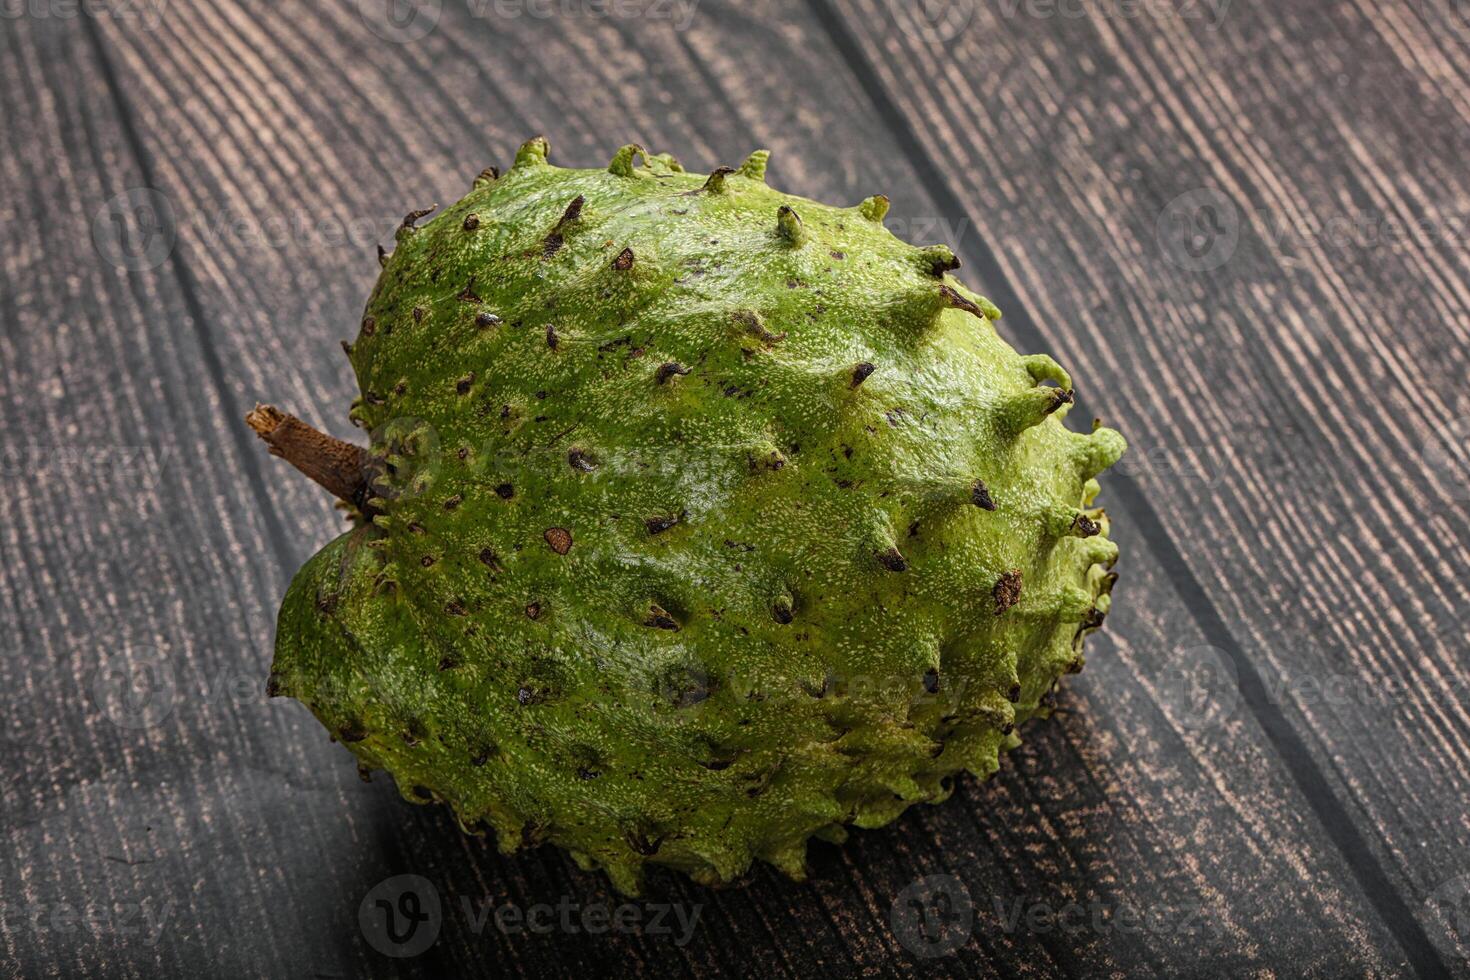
(1243, 225)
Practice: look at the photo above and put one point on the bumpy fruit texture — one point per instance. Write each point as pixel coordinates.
(704, 519)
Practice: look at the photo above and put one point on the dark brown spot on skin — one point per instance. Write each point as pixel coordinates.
(533, 611)
(463, 384)
(1007, 590)
(418, 314)
(644, 846)
(525, 695)
(454, 607)
(752, 323)
(448, 663)
(1014, 694)
(351, 732)
(1062, 396)
(468, 294)
(453, 502)
(554, 241)
(893, 560)
(980, 496)
(485, 320)
(624, 261)
(579, 460)
(560, 539)
(427, 561)
(658, 618)
(658, 525)
(412, 216)
(369, 326)
(957, 301)
(417, 528)
(839, 256)
(1007, 728)
(471, 222)
(1086, 526)
(940, 265)
(691, 696)
(782, 612)
(931, 681)
(862, 372)
(505, 491)
(481, 757)
(587, 774)
(714, 183)
(573, 211)
(551, 340)
(667, 370)
(491, 560)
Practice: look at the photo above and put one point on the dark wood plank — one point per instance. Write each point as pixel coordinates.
(124, 547)
(1280, 394)
(259, 830)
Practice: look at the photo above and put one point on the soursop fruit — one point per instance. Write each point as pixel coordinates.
(698, 520)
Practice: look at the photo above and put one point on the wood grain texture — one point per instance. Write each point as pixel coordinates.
(274, 138)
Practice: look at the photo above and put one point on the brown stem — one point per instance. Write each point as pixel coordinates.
(340, 467)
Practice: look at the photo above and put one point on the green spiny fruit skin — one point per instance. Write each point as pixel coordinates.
(708, 519)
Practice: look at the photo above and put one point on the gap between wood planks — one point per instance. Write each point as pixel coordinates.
(1289, 744)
